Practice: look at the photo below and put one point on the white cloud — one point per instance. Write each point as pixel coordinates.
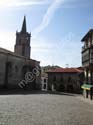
(48, 16)
(53, 7)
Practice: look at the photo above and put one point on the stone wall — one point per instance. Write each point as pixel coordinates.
(12, 71)
(69, 82)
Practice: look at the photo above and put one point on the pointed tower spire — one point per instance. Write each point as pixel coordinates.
(23, 30)
(22, 46)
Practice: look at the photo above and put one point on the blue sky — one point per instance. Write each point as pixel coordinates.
(57, 27)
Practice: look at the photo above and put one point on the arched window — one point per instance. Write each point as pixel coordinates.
(23, 50)
(19, 41)
(16, 69)
(9, 68)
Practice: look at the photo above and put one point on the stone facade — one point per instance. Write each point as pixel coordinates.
(66, 80)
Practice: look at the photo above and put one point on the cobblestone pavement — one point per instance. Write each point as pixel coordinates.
(44, 109)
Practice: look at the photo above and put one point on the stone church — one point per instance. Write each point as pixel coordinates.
(17, 70)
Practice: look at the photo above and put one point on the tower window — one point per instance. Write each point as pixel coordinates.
(23, 50)
(20, 42)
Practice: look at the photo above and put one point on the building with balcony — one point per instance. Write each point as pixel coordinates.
(87, 63)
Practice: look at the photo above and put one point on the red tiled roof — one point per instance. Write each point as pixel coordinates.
(65, 70)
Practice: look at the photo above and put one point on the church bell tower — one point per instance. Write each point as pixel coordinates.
(22, 46)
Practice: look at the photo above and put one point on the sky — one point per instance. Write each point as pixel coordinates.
(56, 26)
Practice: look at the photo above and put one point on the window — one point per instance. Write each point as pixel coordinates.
(54, 79)
(9, 68)
(44, 80)
(16, 69)
(61, 79)
(44, 86)
(69, 79)
(23, 50)
(20, 42)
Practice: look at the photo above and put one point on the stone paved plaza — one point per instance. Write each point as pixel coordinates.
(44, 109)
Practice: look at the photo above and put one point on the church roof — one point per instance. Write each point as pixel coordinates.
(65, 70)
(5, 50)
